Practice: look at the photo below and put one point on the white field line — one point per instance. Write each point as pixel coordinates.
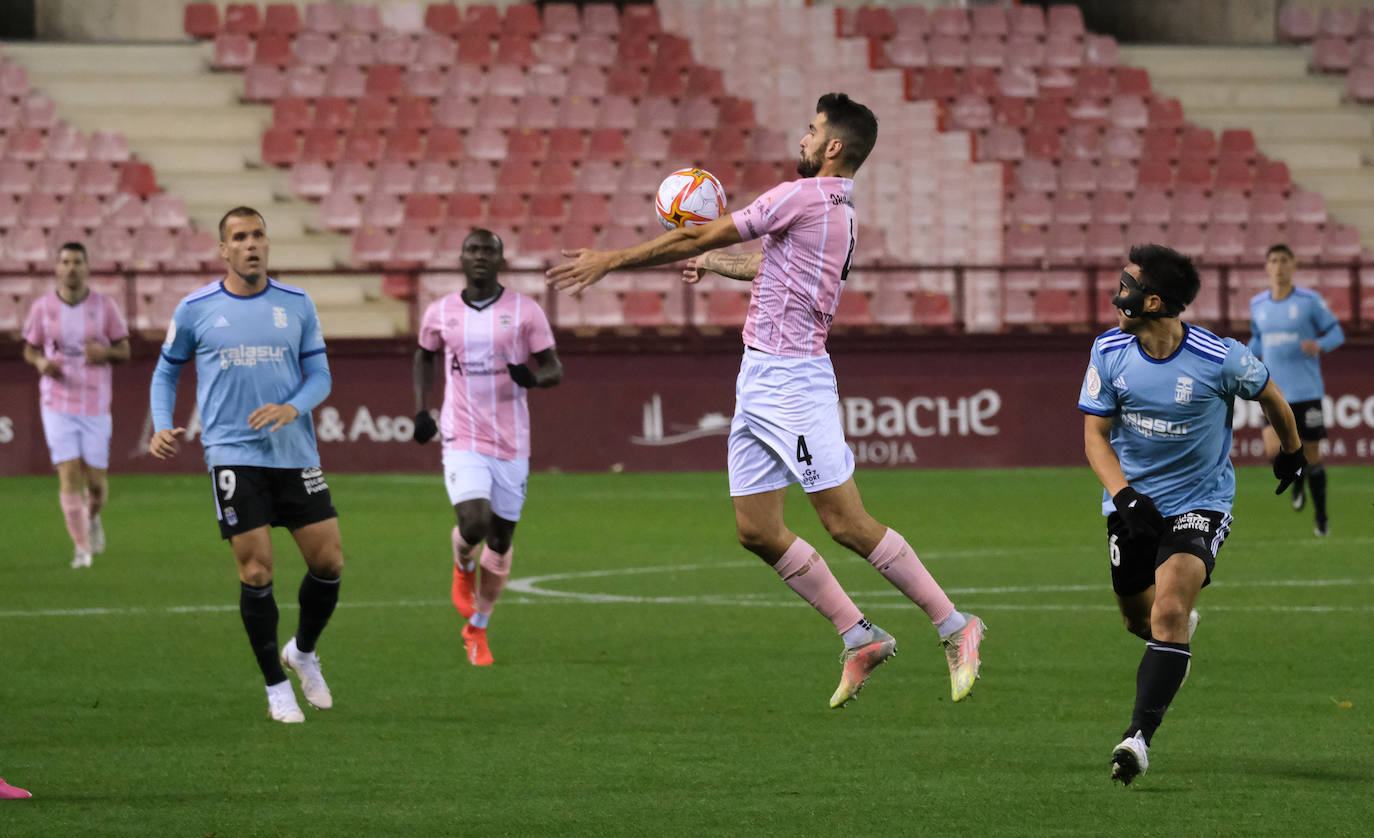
(529, 591)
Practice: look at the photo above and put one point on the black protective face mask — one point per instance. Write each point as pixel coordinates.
(1133, 304)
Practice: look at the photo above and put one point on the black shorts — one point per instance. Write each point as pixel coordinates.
(1199, 533)
(1311, 423)
(248, 497)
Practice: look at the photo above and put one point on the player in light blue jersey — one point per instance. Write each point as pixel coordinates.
(1291, 328)
(260, 369)
(1157, 398)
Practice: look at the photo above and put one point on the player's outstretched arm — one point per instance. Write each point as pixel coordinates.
(1290, 462)
(741, 266)
(589, 266)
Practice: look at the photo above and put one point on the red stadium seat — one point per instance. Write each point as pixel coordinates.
(1296, 23)
(137, 179)
(1166, 113)
(232, 51)
(1151, 206)
(200, 20)
(354, 177)
(1230, 207)
(443, 18)
(281, 19)
(242, 19)
(1268, 208)
(1078, 175)
(263, 84)
(1104, 244)
(322, 146)
(1100, 51)
(1306, 207)
(274, 50)
(310, 180)
(97, 177)
(1194, 173)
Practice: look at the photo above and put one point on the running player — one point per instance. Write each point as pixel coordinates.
(72, 336)
(1157, 399)
(260, 369)
(487, 333)
(786, 427)
(1291, 328)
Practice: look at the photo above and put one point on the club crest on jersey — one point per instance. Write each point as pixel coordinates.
(1293, 310)
(1183, 390)
(506, 321)
(279, 317)
(1093, 382)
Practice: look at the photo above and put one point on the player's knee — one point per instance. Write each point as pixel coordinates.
(1169, 613)
(1140, 628)
(755, 539)
(474, 530)
(499, 542)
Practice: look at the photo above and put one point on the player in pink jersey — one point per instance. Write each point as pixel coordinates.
(786, 427)
(487, 334)
(72, 336)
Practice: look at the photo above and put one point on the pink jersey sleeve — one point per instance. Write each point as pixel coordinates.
(115, 327)
(770, 212)
(431, 330)
(33, 325)
(538, 333)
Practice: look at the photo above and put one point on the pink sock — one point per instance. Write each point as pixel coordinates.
(495, 572)
(898, 564)
(805, 572)
(78, 517)
(462, 551)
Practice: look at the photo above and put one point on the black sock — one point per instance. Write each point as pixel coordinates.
(317, 598)
(1156, 681)
(1316, 478)
(259, 612)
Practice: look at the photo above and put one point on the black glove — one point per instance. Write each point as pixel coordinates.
(425, 427)
(1139, 513)
(1288, 468)
(521, 374)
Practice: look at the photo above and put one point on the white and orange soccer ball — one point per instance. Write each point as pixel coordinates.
(688, 198)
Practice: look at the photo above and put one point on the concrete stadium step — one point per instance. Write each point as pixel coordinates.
(316, 252)
(48, 59)
(1203, 93)
(163, 91)
(1338, 187)
(251, 187)
(1341, 154)
(1345, 123)
(339, 292)
(377, 319)
(1358, 213)
(191, 157)
(1242, 63)
(245, 123)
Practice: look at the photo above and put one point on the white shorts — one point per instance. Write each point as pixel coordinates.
(787, 426)
(469, 476)
(72, 436)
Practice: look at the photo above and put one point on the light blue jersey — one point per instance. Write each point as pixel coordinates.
(249, 351)
(1280, 326)
(1171, 425)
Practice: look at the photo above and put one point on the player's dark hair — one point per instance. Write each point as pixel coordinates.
(77, 246)
(1167, 273)
(482, 231)
(1279, 247)
(852, 124)
(238, 212)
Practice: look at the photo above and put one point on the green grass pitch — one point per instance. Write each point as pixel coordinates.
(652, 678)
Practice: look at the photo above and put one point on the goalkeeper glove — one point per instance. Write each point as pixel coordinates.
(1288, 468)
(425, 428)
(521, 374)
(1139, 513)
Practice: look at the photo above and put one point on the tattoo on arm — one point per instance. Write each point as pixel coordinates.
(743, 266)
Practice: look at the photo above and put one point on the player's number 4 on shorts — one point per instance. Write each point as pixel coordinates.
(803, 456)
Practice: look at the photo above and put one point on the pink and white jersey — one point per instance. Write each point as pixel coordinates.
(807, 227)
(484, 411)
(62, 331)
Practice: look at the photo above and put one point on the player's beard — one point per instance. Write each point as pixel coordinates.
(808, 167)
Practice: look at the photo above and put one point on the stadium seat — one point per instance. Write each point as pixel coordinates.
(434, 176)
(1111, 208)
(97, 177)
(1072, 208)
(200, 20)
(1029, 208)
(1105, 244)
(1268, 208)
(371, 245)
(1042, 141)
(1230, 207)
(1307, 207)
(1224, 243)
(1189, 206)
(310, 180)
(444, 19)
(242, 19)
(232, 52)
(137, 178)
(1296, 23)
(40, 209)
(516, 175)
(354, 177)
(1340, 243)
(342, 80)
(1065, 244)
(395, 177)
(1078, 175)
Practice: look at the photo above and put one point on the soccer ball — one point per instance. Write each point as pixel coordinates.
(688, 198)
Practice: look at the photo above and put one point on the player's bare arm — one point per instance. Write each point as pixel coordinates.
(741, 266)
(116, 353)
(422, 376)
(45, 365)
(1097, 434)
(164, 443)
(1280, 416)
(275, 415)
(589, 266)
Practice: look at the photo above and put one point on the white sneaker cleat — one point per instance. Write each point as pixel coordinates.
(81, 559)
(961, 652)
(1130, 759)
(1322, 529)
(307, 666)
(281, 704)
(1299, 498)
(97, 535)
